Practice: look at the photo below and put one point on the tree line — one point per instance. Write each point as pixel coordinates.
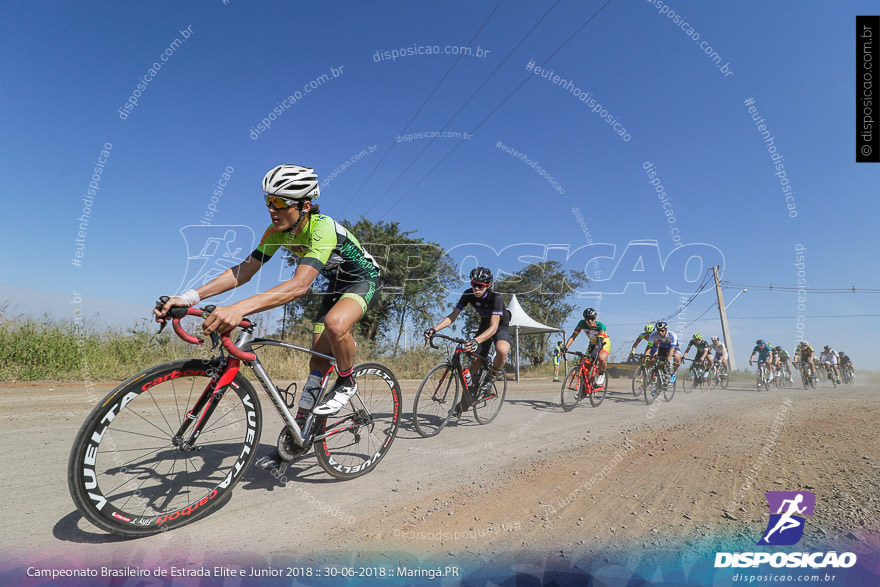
(421, 282)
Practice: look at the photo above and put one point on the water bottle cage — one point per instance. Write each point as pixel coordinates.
(288, 396)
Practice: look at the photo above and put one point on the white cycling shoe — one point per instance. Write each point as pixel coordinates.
(336, 400)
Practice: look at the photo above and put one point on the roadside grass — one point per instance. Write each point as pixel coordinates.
(37, 349)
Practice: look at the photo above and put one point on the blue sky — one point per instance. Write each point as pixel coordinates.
(70, 69)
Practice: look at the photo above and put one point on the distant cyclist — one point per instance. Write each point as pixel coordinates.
(702, 350)
(718, 353)
(844, 361)
(557, 358)
(803, 355)
(597, 335)
(644, 335)
(665, 343)
(765, 354)
(494, 320)
(784, 360)
(829, 361)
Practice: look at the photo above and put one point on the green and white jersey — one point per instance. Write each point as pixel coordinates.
(325, 245)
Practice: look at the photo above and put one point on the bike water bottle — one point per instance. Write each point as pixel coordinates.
(467, 377)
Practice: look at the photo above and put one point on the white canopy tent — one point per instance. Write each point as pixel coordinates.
(522, 323)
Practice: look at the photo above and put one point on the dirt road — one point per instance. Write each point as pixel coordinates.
(537, 482)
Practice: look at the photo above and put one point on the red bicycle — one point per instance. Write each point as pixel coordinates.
(167, 446)
(580, 382)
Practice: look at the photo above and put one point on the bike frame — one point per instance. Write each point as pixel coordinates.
(244, 347)
(453, 359)
(585, 367)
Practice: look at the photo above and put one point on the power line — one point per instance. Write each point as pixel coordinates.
(690, 300)
(772, 317)
(427, 99)
(488, 116)
(789, 288)
(457, 112)
(697, 319)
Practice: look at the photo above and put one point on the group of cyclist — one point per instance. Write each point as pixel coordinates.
(776, 358)
(661, 342)
(326, 247)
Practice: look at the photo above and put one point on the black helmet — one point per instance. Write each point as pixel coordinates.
(590, 314)
(759, 342)
(660, 325)
(482, 275)
(778, 348)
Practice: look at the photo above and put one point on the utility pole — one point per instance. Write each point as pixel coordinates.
(724, 329)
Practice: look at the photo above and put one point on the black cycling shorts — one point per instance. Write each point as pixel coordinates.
(501, 334)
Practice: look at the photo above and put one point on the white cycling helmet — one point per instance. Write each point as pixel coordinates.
(292, 181)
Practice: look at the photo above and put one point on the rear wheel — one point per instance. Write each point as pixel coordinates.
(572, 388)
(355, 439)
(131, 474)
(489, 402)
(435, 400)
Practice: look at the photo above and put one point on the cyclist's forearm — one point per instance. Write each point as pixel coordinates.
(220, 284)
(230, 279)
(443, 324)
(281, 294)
(272, 298)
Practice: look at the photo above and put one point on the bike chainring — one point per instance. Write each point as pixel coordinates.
(288, 449)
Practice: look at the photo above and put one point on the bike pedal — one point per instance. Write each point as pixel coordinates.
(269, 463)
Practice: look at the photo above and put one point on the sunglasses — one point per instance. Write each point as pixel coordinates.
(478, 285)
(279, 203)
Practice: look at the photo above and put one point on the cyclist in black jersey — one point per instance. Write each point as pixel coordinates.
(494, 319)
(323, 246)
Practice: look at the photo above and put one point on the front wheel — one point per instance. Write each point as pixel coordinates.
(669, 389)
(132, 473)
(652, 386)
(724, 376)
(489, 402)
(596, 394)
(638, 380)
(435, 400)
(354, 440)
(572, 388)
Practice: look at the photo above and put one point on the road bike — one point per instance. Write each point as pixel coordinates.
(719, 376)
(580, 381)
(808, 376)
(764, 377)
(697, 375)
(829, 371)
(437, 399)
(847, 375)
(658, 382)
(167, 446)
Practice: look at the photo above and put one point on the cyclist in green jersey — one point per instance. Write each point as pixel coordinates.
(646, 336)
(323, 246)
(597, 336)
(702, 347)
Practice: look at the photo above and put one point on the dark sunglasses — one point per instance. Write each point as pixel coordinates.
(478, 285)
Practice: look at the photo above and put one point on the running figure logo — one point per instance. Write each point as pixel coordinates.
(786, 525)
(211, 250)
